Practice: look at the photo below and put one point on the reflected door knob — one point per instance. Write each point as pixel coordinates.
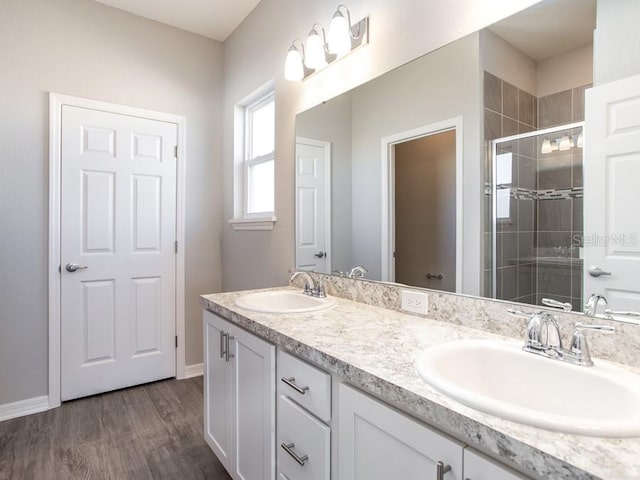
(597, 271)
(74, 267)
(320, 254)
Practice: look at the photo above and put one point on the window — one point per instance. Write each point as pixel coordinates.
(259, 161)
(254, 161)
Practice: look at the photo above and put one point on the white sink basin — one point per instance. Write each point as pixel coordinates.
(501, 379)
(283, 301)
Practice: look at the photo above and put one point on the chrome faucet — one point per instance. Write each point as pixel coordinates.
(591, 305)
(543, 333)
(624, 316)
(358, 272)
(310, 287)
(543, 338)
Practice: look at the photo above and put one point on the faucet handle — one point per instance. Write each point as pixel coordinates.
(622, 313)
(550, 302)
(580, 354)
(320, 290)
(520, 313)
(599, 328)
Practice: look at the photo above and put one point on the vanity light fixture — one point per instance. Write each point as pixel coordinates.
(341, 33)
(317, 53)
(316, 56)
(293, 65)
(562, 144)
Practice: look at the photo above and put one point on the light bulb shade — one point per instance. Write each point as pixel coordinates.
(315, 57)
(564, 144)
(339, 35)
(546, 146)
(293, 68)
(580, 140)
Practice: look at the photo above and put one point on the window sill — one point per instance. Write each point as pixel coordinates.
(252, 224)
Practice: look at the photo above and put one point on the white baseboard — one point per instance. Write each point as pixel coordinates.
(24, 407)
(195, 370)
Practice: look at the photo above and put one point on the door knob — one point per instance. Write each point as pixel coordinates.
(320, 254)
(597, 271)
(74, 267)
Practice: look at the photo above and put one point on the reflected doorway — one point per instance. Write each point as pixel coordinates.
(424, 211)
(422, 206)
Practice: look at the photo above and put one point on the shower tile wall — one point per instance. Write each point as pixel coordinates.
(534, 254)
(559, 221)
(509, 111)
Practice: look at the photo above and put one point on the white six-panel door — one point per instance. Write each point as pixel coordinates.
(612, 195)
(313, 160)
(118, 219)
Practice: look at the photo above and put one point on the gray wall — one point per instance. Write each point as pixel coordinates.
(439, 86)
(254, 54)
(82, 48)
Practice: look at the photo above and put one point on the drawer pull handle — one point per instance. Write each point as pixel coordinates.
(291, 382)
(288, 447)
(222, 334)
(441, 469)
(227, 353)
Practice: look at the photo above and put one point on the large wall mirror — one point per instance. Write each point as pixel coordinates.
(463, 169)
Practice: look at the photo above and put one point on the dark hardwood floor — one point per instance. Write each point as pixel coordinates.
(147, 432)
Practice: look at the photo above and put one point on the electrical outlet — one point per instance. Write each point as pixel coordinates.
(415, 302)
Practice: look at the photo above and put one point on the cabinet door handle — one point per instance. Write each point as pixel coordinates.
(291, 382)
(441, 469)
(288, 447)
(222, 334)
(227, 354)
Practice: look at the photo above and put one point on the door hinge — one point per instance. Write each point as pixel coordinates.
(176, 341)
(176, 246)
(175, 149)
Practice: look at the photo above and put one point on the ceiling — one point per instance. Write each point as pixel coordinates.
(544, 30)
(215, 19)
(549, 28)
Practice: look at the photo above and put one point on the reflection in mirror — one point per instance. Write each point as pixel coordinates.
(424, 180)
(397, 175)
(537, 216)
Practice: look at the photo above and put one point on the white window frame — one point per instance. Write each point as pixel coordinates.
(249, 159)
(243, 162)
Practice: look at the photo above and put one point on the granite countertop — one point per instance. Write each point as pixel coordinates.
(375, 349)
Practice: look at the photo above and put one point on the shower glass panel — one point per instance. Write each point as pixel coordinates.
(537, 216)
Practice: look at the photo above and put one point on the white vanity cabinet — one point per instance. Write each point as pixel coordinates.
(326, 429)
(377, 442)
(239, 399)
(479, 467)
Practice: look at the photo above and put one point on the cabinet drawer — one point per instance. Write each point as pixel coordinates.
(306, 385)
(304, 435)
